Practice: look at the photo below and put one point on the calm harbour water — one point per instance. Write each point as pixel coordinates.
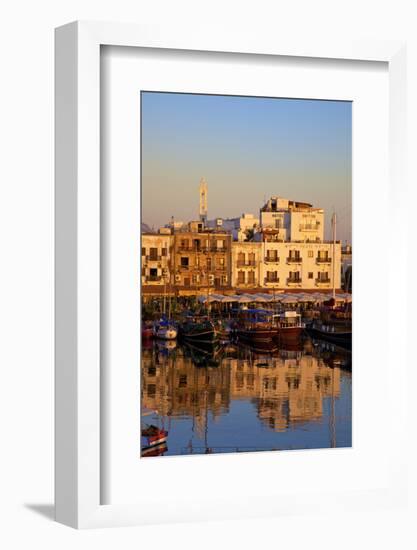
(236, 400)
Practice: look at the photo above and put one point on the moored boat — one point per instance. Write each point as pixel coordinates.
(290, 326)
(147, 330)
(337, 333)
(256, 326)
(165, 329)
(199, 330)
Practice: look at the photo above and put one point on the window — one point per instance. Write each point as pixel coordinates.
(153, 272)
(310, 255)
(182, 381)
(294, 254)
(224, 280)
(272, 276)
(241, 277)
(164, 252)
(251, 277)
(184, 261)
(310, 274)
(208, 262)
(323, 276)
(143, 251)
(294, 277)
(221, 262)
(153, 254)
(241, 258)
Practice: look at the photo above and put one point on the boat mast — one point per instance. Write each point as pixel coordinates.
(208, 274)
(165, 290)
(334, 255)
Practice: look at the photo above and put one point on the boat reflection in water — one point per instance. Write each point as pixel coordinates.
(233, 397)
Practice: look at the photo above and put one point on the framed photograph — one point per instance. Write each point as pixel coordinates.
(220, 275)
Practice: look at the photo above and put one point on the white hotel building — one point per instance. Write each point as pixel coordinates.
(289, 252)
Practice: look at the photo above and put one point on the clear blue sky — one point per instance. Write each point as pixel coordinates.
(248, 149)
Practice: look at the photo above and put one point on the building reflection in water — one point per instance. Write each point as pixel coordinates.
(286, 389)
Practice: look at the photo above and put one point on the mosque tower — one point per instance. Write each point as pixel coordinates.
(203, 200)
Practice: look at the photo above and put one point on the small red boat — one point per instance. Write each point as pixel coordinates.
(153, 441)
(147, 331)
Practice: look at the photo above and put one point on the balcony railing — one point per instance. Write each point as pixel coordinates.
(309, 227)
(294, 260)
(323, 281)
(220, 249)
(150, 258)
(321, 260)
(202, 249)
(153, 278)
(243, 263)
(272, 259)
(292, 281)
(271, 281)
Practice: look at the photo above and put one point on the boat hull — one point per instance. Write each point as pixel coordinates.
(290, 334)
(199, 333)
(256, 335)
(166, 334)
(340, 338)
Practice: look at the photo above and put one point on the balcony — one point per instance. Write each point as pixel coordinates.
(153, 258)
(184, 248)
(294, 282)
(243, 263)
(271, 259)
(153, 278)
(294, 260)
(320, 260)
(309, 227)
(324, 281)
(268, 281)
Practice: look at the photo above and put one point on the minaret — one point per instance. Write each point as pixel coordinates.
(203, 200)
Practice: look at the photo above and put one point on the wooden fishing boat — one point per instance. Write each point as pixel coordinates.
(331, 331)
(256, 326)
(290, 326)
(199, 330)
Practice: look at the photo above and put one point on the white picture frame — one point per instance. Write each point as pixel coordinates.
(78, 501)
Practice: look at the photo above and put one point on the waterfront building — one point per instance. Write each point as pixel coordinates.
(300, 265)
(201, 259)
(156, 260)
(242, 228)
(288, 220)
(245, 265)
